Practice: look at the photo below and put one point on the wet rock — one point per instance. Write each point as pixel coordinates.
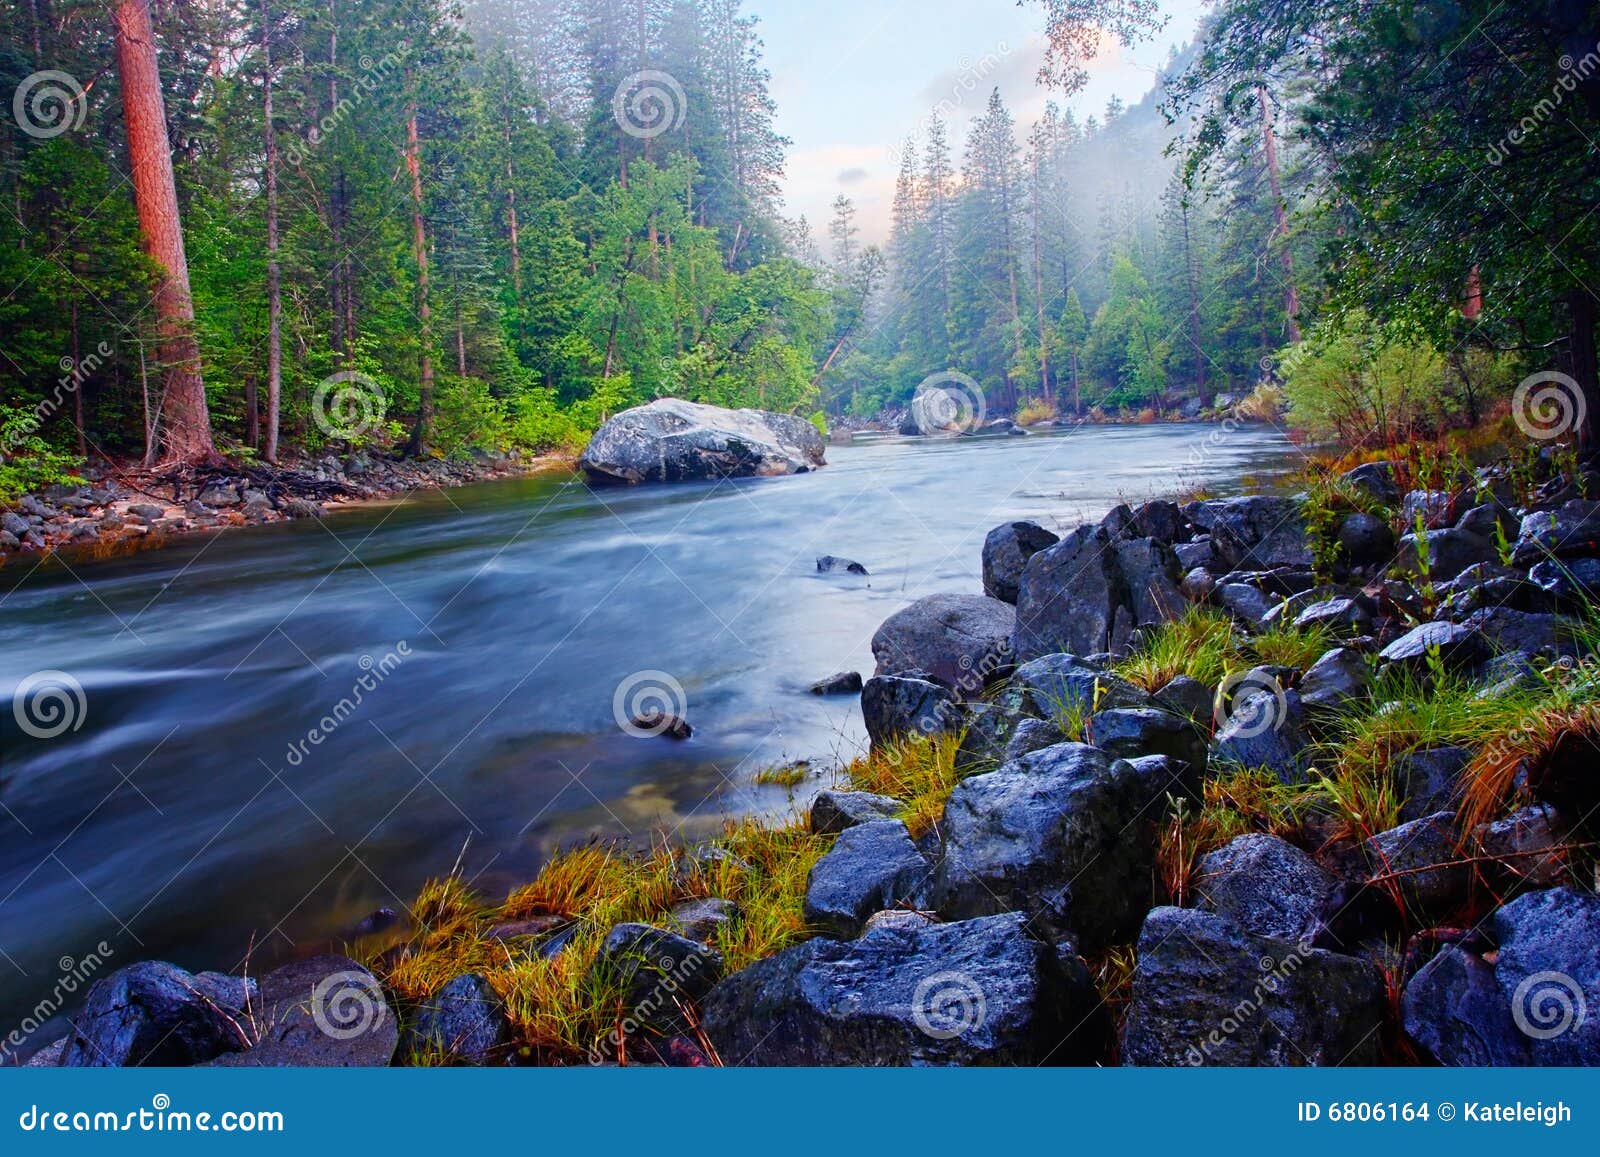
(1528, 845)
(1365, 539)
(1248, 604)
(1263, 729)
(1572, 531)
(1549, 972)
(1192, 555)
(840, 683)
(1265, 885)
(834, 811)
(15, 524)
(1006, 552)
(1057, 686)
(464, 1020)
(1198, 584)
(1460, 648)
(896, 706)
(147, 511)
(653, 722)
(1258, 532)
(961, 641)
(974, 992)
(1420, 859)
(871, 866)
(1341, 675)
(1056, 834)
(702, 920)
(1435, 509)
(1188, 698)
(1429, 780)
(1455, 1012)
(1344, 616)
(1377, 480)
(1129, 732)
(218, 495)
(670, 440)
(1449, 552)
(155, 1013)
(1518, 632)
(832, 564)
(1164, 776)
(1206, 992)
(1070, 597)
(1033, 735)
(1150, 575)
(1160, 520)
(1572, 582)
(321, 1012)
(654, 970)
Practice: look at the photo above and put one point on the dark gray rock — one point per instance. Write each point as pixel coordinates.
(1006, 552)
(1365, 539)
(962, 641)
(840, 683)
(1033, 735)
(1454, 1010)
(1572, 531)
(669, 440)
(1198, 584)
(1460, 648)
(1573, 582)
(465, 1020)
(1258, 532)
(1421, 859)
(1248, 604)
(871, 866)
(1150, 574)
(833, 564)
(1490, 521)
(1164, 776)
(1160, 520)
(1266, 885)
(1263, 729)
(1429, 781)
(1129, 732)
(1512, 594)
(1197, 554)
(653, 970)
(1189, 698)
(1518, 632)
(1549, 972)
(1070, 597)
(1344, 616)
(1435, 509)
(1377, 480)
(1057, 686)
(1056, 834)
(896, 706)
(1449, 553)
(1529, 845)
(909, 993)
(1340, 676)
(155, 1013)
(1206, 992)
(990, 728)
(321, 1012)
(834, 811)
(702, 920)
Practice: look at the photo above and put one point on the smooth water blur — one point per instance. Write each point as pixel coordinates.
(458, 655)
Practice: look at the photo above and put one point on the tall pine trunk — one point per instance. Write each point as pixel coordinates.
(1585, 366)
(274, 277)
(185, 421)
(1269, 148)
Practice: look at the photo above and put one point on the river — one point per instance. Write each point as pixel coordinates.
(281, 729)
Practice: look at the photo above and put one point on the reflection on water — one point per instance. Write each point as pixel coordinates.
(289, 726)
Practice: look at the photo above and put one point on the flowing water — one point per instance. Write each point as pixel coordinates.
(283, 728)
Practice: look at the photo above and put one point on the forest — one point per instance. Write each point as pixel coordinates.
(432, 228)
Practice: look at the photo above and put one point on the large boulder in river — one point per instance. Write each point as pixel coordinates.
(960, 641)
(1206, 992)
(1058, 834)
(670, 440)
(895, 707)
(977, 992)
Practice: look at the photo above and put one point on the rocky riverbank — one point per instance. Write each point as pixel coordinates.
(1299, 780)
(120, 511)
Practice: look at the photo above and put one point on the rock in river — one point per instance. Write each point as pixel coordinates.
(670, 440)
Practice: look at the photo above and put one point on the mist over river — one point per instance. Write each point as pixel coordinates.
(284, 728)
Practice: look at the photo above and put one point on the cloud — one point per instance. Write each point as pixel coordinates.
(854, 175)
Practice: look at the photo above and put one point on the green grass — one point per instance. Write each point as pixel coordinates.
(1286, 645)
(1201, 644)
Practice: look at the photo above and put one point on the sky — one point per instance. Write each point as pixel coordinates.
(853, 77)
